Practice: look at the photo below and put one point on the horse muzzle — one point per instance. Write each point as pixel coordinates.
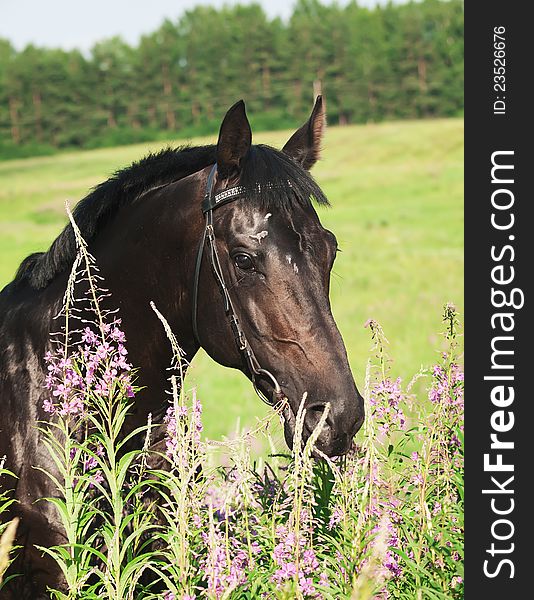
(334, 438)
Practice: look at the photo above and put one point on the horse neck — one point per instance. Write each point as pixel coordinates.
(146, 255)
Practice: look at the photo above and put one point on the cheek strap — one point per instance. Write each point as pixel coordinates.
(209, 204)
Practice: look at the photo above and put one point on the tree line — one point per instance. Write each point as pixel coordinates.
(390, 62)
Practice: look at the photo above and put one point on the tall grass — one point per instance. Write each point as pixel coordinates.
(8, 527)
(149, 515)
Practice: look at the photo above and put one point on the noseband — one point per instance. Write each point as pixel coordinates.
(210, 203)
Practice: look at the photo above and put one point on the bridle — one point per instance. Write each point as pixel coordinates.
(210, 203)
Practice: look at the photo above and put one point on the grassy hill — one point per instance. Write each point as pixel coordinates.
(397, 210)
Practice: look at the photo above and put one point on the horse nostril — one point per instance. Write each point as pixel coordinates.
(314, 414)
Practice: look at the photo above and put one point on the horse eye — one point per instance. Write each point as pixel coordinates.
(243, 261)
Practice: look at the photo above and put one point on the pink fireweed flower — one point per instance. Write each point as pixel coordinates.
(53, 368)
(287, 571)
(281, 531)
(215, 569)
(64, 363)
(101, 388)
(121, 349)
(94, 367)
(385, 399)
(447, 387)
(255, 547)
(384, 428)
(221, 576)
(97, 477)
(117, 335)
(287, 554)
(309, 560)
(280, 553)
(110, 375)
(290, 540)
(196, 418)
(89, 337)
(171, 441)
(340, 560)
(62, 390)
(335, 518)
(121, 363)
(390, 564)
(417, 479)
(305, 516)
(49, 381)
(237, 568)
(103, 351)
(48, 406)
(306, 586)
(437, 371)
(216, 498)
(73, 406)
(89, 463)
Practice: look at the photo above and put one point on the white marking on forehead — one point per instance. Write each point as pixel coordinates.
(295, 268)
(288, 258)
(266, 217)
(259, 236)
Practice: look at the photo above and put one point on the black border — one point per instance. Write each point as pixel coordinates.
(485, 133)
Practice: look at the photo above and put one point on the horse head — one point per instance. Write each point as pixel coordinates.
(261, 298)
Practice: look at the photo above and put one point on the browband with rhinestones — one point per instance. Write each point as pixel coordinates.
(211, 202)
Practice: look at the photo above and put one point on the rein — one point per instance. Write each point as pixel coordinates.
(210, 203)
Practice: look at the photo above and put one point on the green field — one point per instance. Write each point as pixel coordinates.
(397, 210)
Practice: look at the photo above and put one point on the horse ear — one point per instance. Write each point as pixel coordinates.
(304, 145)
(235, 138)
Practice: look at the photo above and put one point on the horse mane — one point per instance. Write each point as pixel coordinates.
(273, 181)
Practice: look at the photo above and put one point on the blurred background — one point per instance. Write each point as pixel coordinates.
(393, 61)
(85, 90)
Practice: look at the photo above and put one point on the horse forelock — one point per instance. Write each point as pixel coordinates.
(275, 182)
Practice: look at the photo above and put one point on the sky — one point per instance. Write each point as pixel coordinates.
(79, 24)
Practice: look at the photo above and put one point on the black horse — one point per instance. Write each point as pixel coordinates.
(225, 240)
